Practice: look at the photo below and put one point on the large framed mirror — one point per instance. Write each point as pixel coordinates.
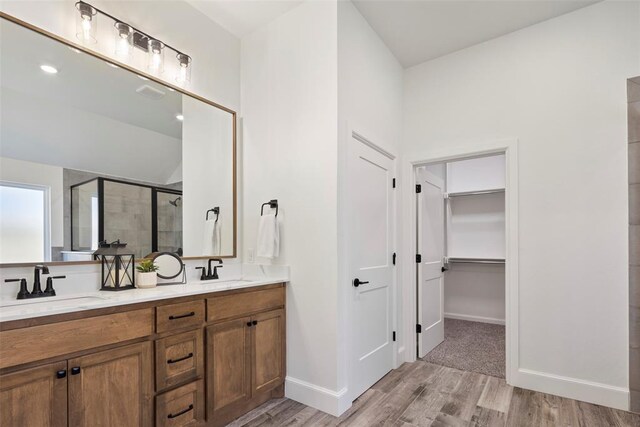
(92, 150)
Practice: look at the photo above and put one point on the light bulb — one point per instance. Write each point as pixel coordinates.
(86, 28)
(123, 41)
(156, 56)
(86, 23)
(184, 68)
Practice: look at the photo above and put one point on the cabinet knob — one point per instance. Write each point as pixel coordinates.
(75, 370)
(61, 374)
(254, 323)
(249, 324)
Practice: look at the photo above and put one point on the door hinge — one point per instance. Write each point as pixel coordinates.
(418, 188)
(393, 258)
(394, 335)
(418, 328)
(418, 258)
(393, 183)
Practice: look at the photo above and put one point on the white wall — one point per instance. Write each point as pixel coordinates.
(293, 130)
(35, 173)
(215, 51)
(289, 126)
(559, 87)
(370, 103)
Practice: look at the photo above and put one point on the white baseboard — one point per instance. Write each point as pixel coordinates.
(329, 401)
(573, 388)
(474, 318)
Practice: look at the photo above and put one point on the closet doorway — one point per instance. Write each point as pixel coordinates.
(460, 275)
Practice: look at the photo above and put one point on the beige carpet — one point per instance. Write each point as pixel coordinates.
(471, 346)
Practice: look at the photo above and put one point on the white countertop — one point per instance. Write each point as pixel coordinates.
(12, 309)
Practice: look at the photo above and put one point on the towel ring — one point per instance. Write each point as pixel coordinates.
(273, 204)
(216, 211)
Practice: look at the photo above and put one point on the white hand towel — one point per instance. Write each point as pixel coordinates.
(211, 241)
(268, 237)
(217, 237)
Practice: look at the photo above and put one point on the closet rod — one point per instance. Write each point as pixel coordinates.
(476, 193)
(476, 260)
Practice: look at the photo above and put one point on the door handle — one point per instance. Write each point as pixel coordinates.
(357, 282)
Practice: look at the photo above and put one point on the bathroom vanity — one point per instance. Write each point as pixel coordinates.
(202, 358)
(122, 157)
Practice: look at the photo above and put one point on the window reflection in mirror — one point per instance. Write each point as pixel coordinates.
(120, 155)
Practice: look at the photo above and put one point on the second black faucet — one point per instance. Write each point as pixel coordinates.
(210, 275)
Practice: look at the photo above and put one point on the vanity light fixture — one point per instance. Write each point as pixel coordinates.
(124, 40)
(184, 70)
(156, 56)
(128, 37)
(49, 69)
(86, 22)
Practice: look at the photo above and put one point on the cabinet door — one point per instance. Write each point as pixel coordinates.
(34, 397)
(228, 364)
(268, 344)
(112, 387)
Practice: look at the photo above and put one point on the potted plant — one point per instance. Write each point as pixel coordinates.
(147, 276)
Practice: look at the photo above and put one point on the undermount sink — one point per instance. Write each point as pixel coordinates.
(57, 300)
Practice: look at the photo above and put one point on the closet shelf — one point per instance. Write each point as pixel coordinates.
(476, 260)
(475, 193)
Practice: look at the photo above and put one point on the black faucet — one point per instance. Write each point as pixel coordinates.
(210, 275)
(37, 290)
(214, 275)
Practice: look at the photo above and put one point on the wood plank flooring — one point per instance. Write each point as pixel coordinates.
(423, 394)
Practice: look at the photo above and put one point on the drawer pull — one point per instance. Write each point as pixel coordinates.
(180, 359)
(182, 316)
(184, 411)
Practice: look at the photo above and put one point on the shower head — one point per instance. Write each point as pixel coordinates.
(175, 202)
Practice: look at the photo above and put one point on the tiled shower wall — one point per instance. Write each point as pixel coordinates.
(633, 93)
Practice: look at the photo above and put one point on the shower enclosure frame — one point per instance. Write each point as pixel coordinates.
(154, 207)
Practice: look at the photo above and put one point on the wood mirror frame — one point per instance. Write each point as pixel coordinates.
(137, 72)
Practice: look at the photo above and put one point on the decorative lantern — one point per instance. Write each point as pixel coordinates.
(117, 266)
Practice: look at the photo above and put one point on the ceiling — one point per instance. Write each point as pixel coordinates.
(417, 31)
(240, 17)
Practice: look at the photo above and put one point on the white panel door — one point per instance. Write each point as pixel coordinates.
(370, 240)
(431, 247)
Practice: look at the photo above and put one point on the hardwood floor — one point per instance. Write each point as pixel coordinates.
(422, 394)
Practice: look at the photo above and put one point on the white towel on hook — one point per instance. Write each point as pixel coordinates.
(212, 237)
(268, 236)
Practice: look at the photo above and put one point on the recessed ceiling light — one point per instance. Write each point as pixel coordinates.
(143, 78)
(75, 50)
(48, 69)
(112, 65)
(171, 90)
(180, 117)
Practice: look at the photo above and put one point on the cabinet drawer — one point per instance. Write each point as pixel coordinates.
(179, 358)
(18, 346)
(183, 406)
(179, 316)
(234, 305)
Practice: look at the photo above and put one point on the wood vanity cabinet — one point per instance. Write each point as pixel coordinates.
(35, 397)
(112, 387)
(144, 364)
(245, 355)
